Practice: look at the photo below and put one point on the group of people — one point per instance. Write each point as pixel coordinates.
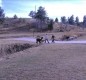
(45, 39)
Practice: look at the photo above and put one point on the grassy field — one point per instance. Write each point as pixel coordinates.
(43, 62)
(46, 62)
(31, 34)
(6, 41)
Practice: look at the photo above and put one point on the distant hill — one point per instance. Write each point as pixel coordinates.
(29, 24)
(59, 27)
(18, 25)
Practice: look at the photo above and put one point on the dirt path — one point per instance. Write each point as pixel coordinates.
(46, 62)
(33, 39)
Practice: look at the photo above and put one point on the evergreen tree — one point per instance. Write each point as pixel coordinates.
(56, 20)
(41, 14)
(50, 25)
(71, 20)
(84, 20)
(2, 15)
(77, 21)
(63, 19)
(15, 16)
(32, 14)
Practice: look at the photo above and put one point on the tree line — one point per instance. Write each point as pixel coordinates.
(41, 16)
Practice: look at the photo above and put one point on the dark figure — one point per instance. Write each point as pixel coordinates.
(38, 40)
(67, 38)
(42, 39)
(53, 38)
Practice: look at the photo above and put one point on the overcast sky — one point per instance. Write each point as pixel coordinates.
(54, 8)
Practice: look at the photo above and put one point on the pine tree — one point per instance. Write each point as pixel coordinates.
(77, 21)
(32, 14)
(63, 19)
(15, 16)
(71, 20)
(50, 25)
(56, 20)
(2, 15)
(84, 20)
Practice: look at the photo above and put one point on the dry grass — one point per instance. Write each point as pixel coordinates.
(9, 46)
(12, 48)
(46, 62)
(58, 36)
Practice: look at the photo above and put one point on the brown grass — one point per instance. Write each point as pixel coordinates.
(9, 46)
(46, 62)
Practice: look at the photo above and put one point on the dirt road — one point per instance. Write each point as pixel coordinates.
(33, 39)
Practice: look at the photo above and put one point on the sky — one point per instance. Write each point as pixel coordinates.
(54, 8)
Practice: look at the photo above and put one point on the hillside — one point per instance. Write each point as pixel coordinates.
(29, 25)
(16, 25)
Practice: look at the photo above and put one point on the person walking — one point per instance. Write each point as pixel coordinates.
(53, 38)
(46, 39)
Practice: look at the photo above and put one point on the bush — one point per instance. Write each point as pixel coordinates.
(12, 48)
(65, 37)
